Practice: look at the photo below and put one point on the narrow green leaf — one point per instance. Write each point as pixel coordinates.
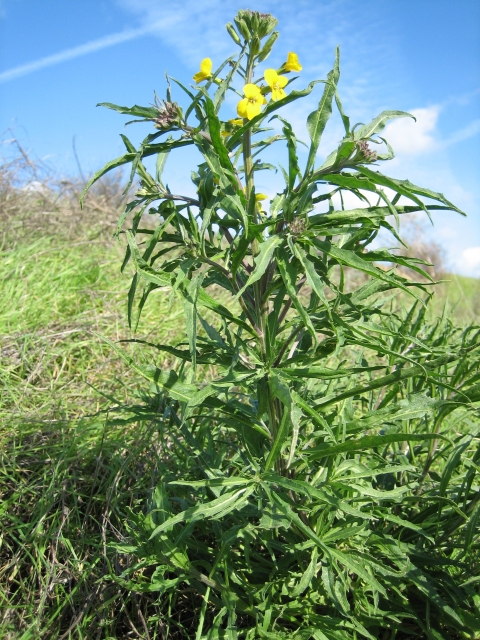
(142, 112)
(289, 277)
(225, 504)
(368, 442)
(318, 119)
(307, 577)
(262, 260)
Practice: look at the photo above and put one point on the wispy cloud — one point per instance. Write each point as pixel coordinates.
(75, 52)
(463, 134)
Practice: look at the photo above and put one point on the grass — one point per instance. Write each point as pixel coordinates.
(71, 464)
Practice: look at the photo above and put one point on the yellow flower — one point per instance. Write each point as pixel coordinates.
(258, 198)
(237, 122)
(205, 71)
(292, 63)
(276, 83)
(251, 105)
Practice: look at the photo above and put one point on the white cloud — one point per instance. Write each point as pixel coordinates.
(410, 137)
(463, 134)
(75, 52)
(470, 261)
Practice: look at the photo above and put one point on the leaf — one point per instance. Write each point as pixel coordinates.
(262, 260)
(142, 112)
(318, 119)
(293, 166)
(219, 96)
(313, 279)
(190, 298)
(368, 442)
(222, 505)
(378, 124)
(281, 391)
(149, 150)
(289, 277)
(345, 119)
(343, 558)
(352, 259)
(307, 577)
(392, 378)
(272, 518)
(214, 128)
(214, 482)
(167, 380)
(295, 417)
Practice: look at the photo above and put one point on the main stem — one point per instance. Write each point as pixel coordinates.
(260, 306)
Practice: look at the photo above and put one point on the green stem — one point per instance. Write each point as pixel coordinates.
(261, 306)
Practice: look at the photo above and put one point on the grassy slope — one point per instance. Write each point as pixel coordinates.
(66, 482)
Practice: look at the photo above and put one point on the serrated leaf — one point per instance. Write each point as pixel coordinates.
(222, 505)
(378, 124)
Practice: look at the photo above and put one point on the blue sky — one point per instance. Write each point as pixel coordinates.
(58, 58)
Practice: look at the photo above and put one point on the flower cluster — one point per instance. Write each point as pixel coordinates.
(364, 153)
(251, 105)
(169, 114)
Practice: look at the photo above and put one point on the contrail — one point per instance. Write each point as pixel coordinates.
(75, 52)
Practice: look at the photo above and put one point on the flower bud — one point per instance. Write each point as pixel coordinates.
(242, 27)
(232, 33)
(254, 45)
(267, 47)
(267, 24)
(169, 115)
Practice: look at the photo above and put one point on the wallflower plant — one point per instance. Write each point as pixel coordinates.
(320, 461)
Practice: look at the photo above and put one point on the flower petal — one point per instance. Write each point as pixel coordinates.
(206, 66)
(253, 109)
(251, 90)
(281, 81)
(270, 76)
(278, 94)
(242, 108)
(199, 77)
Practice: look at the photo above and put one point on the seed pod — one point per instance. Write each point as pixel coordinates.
(267, 47)
(232, 33)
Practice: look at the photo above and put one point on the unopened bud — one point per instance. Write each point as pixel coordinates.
(267, 47)
(232, 33)
(169, 115)
(364, 153)
(254, 45)
(267, 24)
(242, 27)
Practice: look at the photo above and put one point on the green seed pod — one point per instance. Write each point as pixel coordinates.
(232, 33)
(242, 27)
(267, 47)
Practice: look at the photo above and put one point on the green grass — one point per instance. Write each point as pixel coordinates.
(68, 476)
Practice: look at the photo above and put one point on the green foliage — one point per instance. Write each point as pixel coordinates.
(326, 483)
